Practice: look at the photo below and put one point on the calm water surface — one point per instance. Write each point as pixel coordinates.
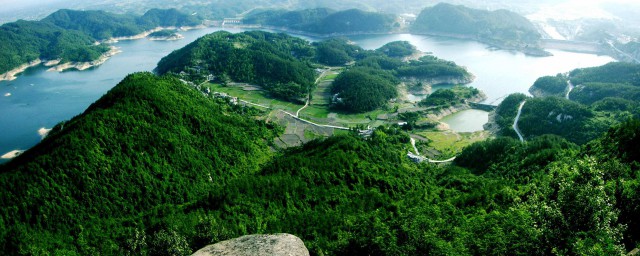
(469, 120)
(42, 99)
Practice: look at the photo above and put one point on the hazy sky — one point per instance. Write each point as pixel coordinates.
(20, 4)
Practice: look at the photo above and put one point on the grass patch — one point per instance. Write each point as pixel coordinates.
(310, 135)
(315, 112)
(451, 143)
(257, 97)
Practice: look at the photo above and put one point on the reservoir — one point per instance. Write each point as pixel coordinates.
(469, 120)
(40, 99)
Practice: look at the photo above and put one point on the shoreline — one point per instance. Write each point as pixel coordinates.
(12, 154)
(85, 65)
(12, 74)
(457, 108)
(146, 33)
(535, 52)
(56, 66)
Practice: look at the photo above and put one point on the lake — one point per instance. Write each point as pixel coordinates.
(42, 99)
(498, 72)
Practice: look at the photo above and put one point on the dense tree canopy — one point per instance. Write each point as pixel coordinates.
(103, 25)
(364, 89)
(277, 62)
(551, 85)
(398, 49)
(602, 96)
(26, 41)
(449, 97)
(325, 21)
(614, 72)
(149, 144)
(156, 168)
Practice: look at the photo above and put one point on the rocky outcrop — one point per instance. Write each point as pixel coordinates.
(173, 37)
(428, 82)
(11, 75)
(440, 80)
(85, 65)
(257, 245)
(492, 126)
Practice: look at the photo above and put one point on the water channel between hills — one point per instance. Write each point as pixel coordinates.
(40, 99)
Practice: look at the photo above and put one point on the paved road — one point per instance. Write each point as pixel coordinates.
(570, 86)
(515, 122)
(422, 158)
(621, 52)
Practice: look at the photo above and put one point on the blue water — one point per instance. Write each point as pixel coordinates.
(43, 99)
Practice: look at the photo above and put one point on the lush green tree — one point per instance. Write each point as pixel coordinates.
(500, 26)
(551, 85)
(363, 89)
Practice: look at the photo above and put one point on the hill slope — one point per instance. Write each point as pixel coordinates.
(326, 21)
(149, 144)
(502, 28)
(70, 36)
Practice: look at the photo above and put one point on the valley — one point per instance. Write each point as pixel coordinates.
(354, 136)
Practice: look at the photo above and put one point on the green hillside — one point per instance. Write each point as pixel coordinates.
(603, 96)
(26, 41)
(326, 21)
(284, 66)
(502, 28)
(71, 35)
(150, 146)
(103, 25)
(278, 62)
(156, 168)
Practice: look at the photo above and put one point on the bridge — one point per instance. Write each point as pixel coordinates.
(480, 106)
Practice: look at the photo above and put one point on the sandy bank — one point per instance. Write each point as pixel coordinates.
(11, 74)
(85, 65)
(12, 154)
(43, 132)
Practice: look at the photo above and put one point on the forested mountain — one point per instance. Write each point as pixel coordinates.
(326, 21)
(156, 168)
(602, 96)
(150, 146)
(26, 41)
(284, 66)
(371, 83)
(103, 25)
(550, 86)
(502, 28)
(277, 62)
(70, 35)
(614, 72)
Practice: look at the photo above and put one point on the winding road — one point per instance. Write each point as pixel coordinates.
(422, 158)
(622, 52)
(323, 74)
(570, 88)
(515, 122)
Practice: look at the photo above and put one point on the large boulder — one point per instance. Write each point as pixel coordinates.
(257, 245)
